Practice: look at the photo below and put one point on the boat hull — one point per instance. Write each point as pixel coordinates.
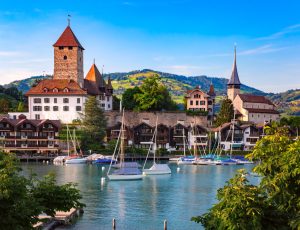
(125, 177)
(156, 172)
(75, 161)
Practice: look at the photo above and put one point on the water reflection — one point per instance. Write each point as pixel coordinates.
(146, 203)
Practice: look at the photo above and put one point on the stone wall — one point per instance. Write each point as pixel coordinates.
(68, 64)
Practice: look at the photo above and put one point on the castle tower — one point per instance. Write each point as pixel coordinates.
(68, 57)
(234, 84)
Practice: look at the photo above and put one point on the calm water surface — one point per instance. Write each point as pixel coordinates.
(143, 204)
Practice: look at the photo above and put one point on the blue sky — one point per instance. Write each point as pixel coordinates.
(186, 37)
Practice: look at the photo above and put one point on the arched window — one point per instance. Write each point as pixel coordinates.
(45, 90)
(66, 90)
(55, 90)
(65, 57)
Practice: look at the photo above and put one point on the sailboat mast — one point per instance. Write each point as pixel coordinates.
(74, 142)
(183, 136)
(155, 139)
(232, 135)
(195, 140)
(122, 141)
(68, 143)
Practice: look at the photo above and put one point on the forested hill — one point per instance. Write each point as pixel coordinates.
(174, 82)
(288, 102)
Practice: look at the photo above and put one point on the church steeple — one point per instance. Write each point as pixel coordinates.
(234, 80)
(234, 84)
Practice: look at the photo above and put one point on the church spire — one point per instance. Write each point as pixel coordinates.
(234, 80)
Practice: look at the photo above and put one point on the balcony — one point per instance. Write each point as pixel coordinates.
(23, 137)
(23, 145)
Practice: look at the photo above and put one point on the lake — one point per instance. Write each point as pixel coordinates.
(143, 204)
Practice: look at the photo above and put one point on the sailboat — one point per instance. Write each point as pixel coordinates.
(126, 170)
(155, 169)
(75, 159)
(185, 160)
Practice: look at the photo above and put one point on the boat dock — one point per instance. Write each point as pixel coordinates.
(60, 218)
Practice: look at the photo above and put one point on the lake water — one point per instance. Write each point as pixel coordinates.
(143, 204)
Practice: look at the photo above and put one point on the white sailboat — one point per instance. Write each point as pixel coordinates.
(185, 160)
(126, 170)
(155, 169)
(75, 159)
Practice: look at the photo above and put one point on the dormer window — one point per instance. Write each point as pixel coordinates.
(55, 90)
(45, 90)
(66, 90)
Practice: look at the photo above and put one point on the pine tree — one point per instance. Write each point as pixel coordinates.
(226, 112)
(94, 125)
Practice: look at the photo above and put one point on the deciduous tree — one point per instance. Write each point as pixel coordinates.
(23, 199)
(275, 202)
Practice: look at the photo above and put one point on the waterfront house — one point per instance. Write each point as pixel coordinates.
(29, 135)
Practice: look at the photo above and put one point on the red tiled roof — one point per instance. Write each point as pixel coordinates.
(94, 82)
(68, 38)
(211, 91)
(269, 111)
(255, 99)
(46, 87)
(188, 92)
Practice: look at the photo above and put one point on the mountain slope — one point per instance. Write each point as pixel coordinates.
(287, 102)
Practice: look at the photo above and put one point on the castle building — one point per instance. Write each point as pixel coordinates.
(63, 97)
(249, 107)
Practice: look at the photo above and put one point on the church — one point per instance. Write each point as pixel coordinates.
(63, 97)
(248, 107)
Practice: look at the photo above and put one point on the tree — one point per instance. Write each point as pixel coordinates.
(20, 107)
(116, 103)
(23, 199)
(4, 105)
(154, 96)
(128, 98)
(275, 202)
(94, 125)
(226, 112)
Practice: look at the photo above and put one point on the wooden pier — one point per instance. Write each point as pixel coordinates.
(60, 218)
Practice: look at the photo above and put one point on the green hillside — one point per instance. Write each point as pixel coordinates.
(176, 84)
(288, 103)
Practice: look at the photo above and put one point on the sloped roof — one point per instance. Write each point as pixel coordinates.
(49, 86)
(255, 99)
(36, 123)
(94, 82)
(211, 91)
(68, 38)
(234, 79)
(190, 91)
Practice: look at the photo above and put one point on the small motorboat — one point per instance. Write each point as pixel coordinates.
(76, 160)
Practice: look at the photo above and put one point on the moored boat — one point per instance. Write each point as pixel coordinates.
(126, 170)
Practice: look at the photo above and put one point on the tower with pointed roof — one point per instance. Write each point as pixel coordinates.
(234, 84)
(68, 57)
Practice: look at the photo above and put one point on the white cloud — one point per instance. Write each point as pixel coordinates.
(10, 54)
(288, 30)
